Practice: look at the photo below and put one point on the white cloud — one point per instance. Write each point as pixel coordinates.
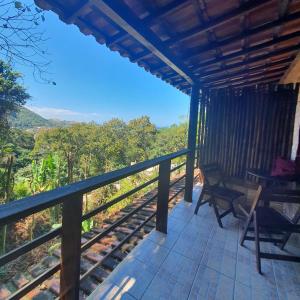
(67, 114)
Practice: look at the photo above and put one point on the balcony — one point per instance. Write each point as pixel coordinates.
(239, 117)
(199, 260)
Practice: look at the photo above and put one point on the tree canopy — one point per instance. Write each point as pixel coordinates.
(12, 94)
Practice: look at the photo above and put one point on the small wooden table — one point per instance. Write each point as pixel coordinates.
(265, 179)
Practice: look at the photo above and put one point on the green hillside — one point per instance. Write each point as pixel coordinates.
(27, 119)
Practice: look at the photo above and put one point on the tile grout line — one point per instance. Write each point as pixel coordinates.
(169, 251)
(236, 259)
(189, 294)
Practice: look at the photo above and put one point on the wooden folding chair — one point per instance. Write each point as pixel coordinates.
(215, 188)
(269, 222)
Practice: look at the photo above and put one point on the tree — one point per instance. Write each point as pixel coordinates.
(21, 39)
(141, 134)
(113, 144)
(12, 94)
(7, 158)
(46, 176)
(170, 139)
(59, 141)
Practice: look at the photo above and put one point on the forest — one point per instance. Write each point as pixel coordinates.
(34, 161)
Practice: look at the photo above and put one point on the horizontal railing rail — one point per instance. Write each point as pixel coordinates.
(15, 210)
(71, 198)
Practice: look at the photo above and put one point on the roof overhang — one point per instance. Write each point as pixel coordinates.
(214, 43)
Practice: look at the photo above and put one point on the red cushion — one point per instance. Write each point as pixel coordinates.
(283, 167)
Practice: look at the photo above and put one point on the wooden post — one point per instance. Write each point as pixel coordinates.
(163, 196)
(194, 106)
(70, 248)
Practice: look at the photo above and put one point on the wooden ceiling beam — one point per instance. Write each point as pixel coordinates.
(235, 13)
(165, 10)
(123, 17)
(292, 74)
(119, 37)
(141, 56)
(251, 82)
(252, 49)
(243, 35)
(262, 67)
(249, 76)
(251, 60)
(261, 82)
(283, 7)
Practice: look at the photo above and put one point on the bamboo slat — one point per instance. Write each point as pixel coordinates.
(248, 128)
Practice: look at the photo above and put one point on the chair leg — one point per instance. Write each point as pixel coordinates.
(233, 210)
(245, 231)
(257, 246)
(217, 213)
(199, 202)
(285, 239)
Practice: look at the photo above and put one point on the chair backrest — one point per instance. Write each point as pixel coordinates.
(213, 174)
(257, 198)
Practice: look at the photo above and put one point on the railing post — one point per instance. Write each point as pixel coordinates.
(70, 248)
(163, 196)
(194, 107)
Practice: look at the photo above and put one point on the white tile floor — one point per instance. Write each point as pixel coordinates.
(199, 260)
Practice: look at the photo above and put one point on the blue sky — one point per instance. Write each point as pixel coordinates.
(94, 83)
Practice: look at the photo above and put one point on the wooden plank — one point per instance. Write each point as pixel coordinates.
(237, 79)
(261, 67)
(165, 10)
(70, 248)
(16, 210)
(251, 83)
(292, 74)
(248, 50)
(260, 58)
(250, 79)
(163, 196)
(246, 34)
(121, 15)
(193, 120)
(236, 13)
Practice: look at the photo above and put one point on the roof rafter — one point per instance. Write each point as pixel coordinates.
(165, 10)
(284, 62)
(245, 82)
(121, 15)
(238, 12)
(249, 50)
(292, 74)
(250, 75)
(253, 60)
(243, 35)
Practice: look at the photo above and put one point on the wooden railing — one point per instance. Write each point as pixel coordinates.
(71, 199)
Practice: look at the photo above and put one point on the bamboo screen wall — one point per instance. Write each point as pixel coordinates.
(247, 128)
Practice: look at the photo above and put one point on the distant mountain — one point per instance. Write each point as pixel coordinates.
(27, 119)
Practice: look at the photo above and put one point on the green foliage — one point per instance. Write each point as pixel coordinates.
(12, 94)
(21, 189)
(141, 136)
(46, 174)
(87, 225)
(170, 139)
(53, 157)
